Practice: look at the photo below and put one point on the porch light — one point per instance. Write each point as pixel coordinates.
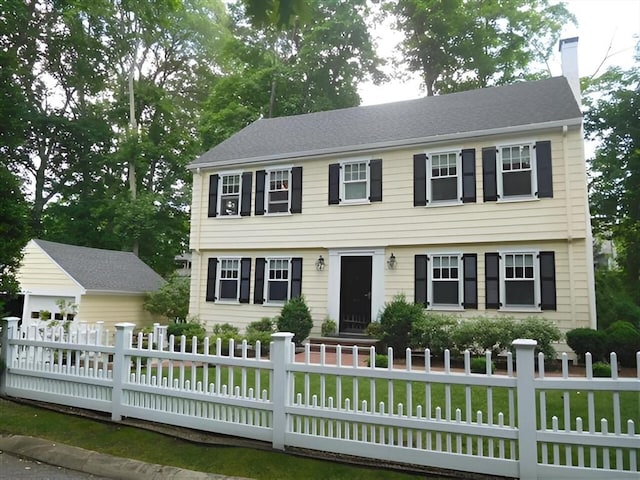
(392, 262)
(320, 263)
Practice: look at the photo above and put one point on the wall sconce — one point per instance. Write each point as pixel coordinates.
(392, 262)
(320, 263)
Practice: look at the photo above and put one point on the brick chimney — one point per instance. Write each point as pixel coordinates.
(569, 59)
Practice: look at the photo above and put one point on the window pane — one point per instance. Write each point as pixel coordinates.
(445, 293)
(277, 291)
(519, 292)
(229, 289)
(444, 189)
(516, 183)
(354, 191)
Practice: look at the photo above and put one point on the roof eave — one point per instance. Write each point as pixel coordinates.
(389, 145)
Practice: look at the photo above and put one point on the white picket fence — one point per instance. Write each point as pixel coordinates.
(493, 424)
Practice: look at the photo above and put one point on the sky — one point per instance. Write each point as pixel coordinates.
(605, 27)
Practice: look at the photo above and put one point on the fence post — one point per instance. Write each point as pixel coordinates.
(9, 331)
(281, 387)
(526, 397)
(120, 367)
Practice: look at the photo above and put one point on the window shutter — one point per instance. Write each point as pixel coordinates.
(419, 180)
(492, 279)
(375, 190)
(334, 184)
(489, 181)
(543, 169)
(469, 175)
(470, 267)
(547, 281)
(245, 278)
(213, 195)
(258, 284)
(296, 190)
(420, 283)
(296, 277)
(260, 179)
(212, 270)
(245, 203)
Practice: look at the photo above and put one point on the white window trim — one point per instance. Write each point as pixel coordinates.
(219, 199)
(219, 279)
(266, 302)
(536, 282)
(534, 174)
(267, 176)
(355, 201)
(428, 166)
(451, 307)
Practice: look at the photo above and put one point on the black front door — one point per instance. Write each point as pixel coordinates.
(355, 294)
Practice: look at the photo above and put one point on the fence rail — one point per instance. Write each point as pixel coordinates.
(527, 425)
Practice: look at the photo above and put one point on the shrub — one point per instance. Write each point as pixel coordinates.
(483, 334)
(171, 299)
(613, 301)
(479, 365)
(601, 369)
(583, 340)
(328, 328)
(189, 330)
(225, 332)
(624, 339)
(382, 361)
(295, 317)
(544, 331)
(433, 331)
(260, 330)
(396, 321)
(374, 330)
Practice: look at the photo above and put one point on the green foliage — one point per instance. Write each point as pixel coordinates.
(189, 330)
(295, 317)
(397, 320)
(482, 334)
(328, 328)
(171, 299)
(374, 330)
(544, 331)
(613, 300)
(260, 330)
(624, 339)
(583, 340)
(479, 365)
(433, 331)
(601, 369)
(381, 361)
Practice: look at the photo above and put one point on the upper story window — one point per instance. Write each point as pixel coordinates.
(230, 194)
(444, 178)
(279, 191)
(355, 181)
(517, 171)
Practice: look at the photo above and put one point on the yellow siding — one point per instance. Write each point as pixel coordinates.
(112, 309)
(39, 273)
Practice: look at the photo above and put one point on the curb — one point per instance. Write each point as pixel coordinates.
(88, 461)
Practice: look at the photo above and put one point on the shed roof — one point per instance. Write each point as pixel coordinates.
(400, 123)
(103, 270)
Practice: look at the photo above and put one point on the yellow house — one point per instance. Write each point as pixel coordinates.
(473, 203)
(102, 285)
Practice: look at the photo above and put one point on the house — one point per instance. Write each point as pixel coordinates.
(473, 203)
(95, 284)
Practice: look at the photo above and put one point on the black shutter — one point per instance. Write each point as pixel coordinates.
(245, 203)
(375, 190)
(213, 195)
(212, 270)
(419, 180)
(334, 184)
(469, 175)
(260, 179)
(547, 281)
(470, 267)
(296, 277)
(420, 281)
(492, 279)
(258, 284)
(245, 278)
(296, 190)
(489, 181)
(543, 169)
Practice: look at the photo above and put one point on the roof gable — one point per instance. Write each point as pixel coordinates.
(102, 270)
(392, 124)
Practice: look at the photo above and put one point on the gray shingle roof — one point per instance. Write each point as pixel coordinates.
(407, 122)
(104, 270)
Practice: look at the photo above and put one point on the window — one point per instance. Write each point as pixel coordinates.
(230, 195)
(277, 283)
(446, 280)
(443, 177)
(229, 278)
(355, 182)
(277, 279)
(278, 192)
(446, 287)
(520, 280)
(521, 171)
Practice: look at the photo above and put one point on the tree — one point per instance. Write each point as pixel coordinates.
(466, 44)
(171, 299)
(612, 120)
